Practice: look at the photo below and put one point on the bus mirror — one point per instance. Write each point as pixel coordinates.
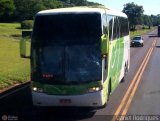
(24, 46)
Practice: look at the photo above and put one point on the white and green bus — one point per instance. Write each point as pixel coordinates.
(79, 56)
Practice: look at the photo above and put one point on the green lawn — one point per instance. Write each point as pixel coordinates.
(10, 29)
(13, 69)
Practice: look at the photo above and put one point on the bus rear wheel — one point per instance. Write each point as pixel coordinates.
(125, 73)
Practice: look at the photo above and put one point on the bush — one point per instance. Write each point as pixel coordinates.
(27, 24)
(16, 35)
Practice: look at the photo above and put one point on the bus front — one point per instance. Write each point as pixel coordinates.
(66, 62)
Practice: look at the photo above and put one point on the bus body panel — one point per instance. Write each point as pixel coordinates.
(126, 59)
(119, 55)
(85, 100)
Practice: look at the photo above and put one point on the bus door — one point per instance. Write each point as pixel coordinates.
(104, 47)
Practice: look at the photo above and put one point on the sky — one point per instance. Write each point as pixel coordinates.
(149, 6)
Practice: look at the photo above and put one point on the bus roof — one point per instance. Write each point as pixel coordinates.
(82, 10)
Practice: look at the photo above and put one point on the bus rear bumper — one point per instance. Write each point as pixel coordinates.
(94, 100)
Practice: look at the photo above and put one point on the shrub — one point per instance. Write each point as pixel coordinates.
(27, 24)
(16, 35)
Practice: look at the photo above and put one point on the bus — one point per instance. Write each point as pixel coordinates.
(79, 55)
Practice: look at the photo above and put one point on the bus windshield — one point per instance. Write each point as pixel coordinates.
(71, 27)
(67, 48)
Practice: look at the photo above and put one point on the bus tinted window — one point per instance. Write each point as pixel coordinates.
(116, 28)
(110, 21)
(124, 30)
(104, 22)
(68, 28)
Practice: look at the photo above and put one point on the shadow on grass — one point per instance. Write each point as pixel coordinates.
(24, 56)
(18, 28)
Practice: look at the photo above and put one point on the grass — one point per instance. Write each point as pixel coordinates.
(10, 29)
(140, 31)
(13, 69)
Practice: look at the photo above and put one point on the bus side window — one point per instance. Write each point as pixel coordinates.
(124, 27)
(118, 27)
(110, 23)
(104, 21)
(115, 28)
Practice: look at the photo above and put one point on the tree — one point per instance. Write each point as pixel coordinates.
(6, 9)
(69, 3)
(51, 4)
(147, 21)
(155, 20)
(134, 13)
(26, 9)
(78, 2)
(21, 10)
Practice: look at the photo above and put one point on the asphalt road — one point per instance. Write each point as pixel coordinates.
(143, 99)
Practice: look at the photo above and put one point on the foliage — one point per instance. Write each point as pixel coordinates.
(19, 10)
(7, 8)
(26, 9)
(30, 7)
(147, 21)
(9, 29)
(155, 20)
(136, 16)
(68, 3)
(134, 13)
(27, 24)
(13, 69)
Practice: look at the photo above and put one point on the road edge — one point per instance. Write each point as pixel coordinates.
(12, 89)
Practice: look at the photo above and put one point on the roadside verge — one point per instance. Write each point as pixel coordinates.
(13, 89)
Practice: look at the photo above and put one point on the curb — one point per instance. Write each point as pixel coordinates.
(13, 88)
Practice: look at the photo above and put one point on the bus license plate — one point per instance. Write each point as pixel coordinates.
(65, 101)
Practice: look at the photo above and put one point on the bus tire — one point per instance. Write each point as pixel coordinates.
(125, 73)
(142, 45)
(123, 80)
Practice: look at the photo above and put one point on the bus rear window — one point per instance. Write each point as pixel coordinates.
(67, 28)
